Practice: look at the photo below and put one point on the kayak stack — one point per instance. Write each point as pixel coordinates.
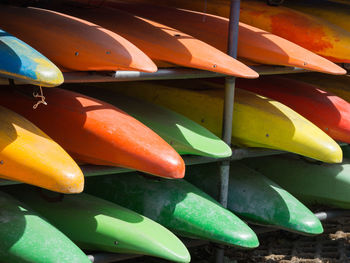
(133, 167)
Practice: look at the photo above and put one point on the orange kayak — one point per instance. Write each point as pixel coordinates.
(310, 32)
(96, 132)
(163, 43)
(254, 44)
(29, 156)
(72, 43)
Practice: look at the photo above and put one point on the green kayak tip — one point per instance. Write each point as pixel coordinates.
(256, 199)
(313, 183)
(27, 237)
(177, 205)
(96, 224)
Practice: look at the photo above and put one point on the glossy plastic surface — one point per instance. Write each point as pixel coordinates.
(98, 133)
(22, 62)
(256, 199)
(28, 237)
(257, 121)
(28, 155)
(72, 43)
(177, 205)
(183, 134)
(96, 224)
(163, 43)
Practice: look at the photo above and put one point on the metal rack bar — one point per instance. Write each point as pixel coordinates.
(161, 74)
(228, 111)
(238, 154)
(331, 214)
(166, 73)
(95, 170)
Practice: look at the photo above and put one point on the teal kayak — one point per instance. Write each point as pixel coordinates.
(310, 182)
(27, 237)
(183, 134)
(177, 205)
(96, 224)
(256, 199)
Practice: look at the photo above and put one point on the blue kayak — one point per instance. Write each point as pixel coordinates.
(21, 62)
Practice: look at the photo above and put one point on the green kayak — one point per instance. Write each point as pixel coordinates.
(256, 199)
(96, 224)
(183, 134)
(27, 237)
(310, 182)
(177, 205)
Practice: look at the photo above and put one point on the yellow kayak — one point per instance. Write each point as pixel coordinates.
(338, 86)
(28, 155)
(257, 120)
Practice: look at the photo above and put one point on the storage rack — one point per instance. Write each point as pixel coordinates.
(186, 73)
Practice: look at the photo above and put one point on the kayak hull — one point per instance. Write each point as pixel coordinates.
(177, 205)
(97, 132)
(183, 134)
(338, 86)
(163, 43)
(96, 224)
(72, 43)
(21, 62)
(311, 183)
(257, 121)
(28, 155)
(256, 199)
(326, 110)
(254, 44)
(23, 231)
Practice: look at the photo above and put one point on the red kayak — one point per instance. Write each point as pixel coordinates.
(326, 110)
(96, 132)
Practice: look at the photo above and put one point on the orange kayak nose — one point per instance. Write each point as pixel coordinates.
(74, 44)
(96, 132)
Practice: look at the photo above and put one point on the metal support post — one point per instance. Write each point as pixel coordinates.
(228, 110)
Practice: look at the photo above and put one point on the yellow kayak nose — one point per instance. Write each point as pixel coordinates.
(28, 155)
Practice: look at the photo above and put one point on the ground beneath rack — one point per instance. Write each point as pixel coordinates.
(331, 247)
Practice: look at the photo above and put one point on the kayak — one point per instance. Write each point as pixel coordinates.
(72, 43)
(21, 62)
(175, 204)
(335, 13)
(257, 121)
(96, 224)
(326, 110)
(23, 231)
(254, 44)
(256, 199)
(338, 86)
(163, 43)
(310, 32)
(29, 156)
(313, 33)
(183, 134)
(96, 132)
(312, 183)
